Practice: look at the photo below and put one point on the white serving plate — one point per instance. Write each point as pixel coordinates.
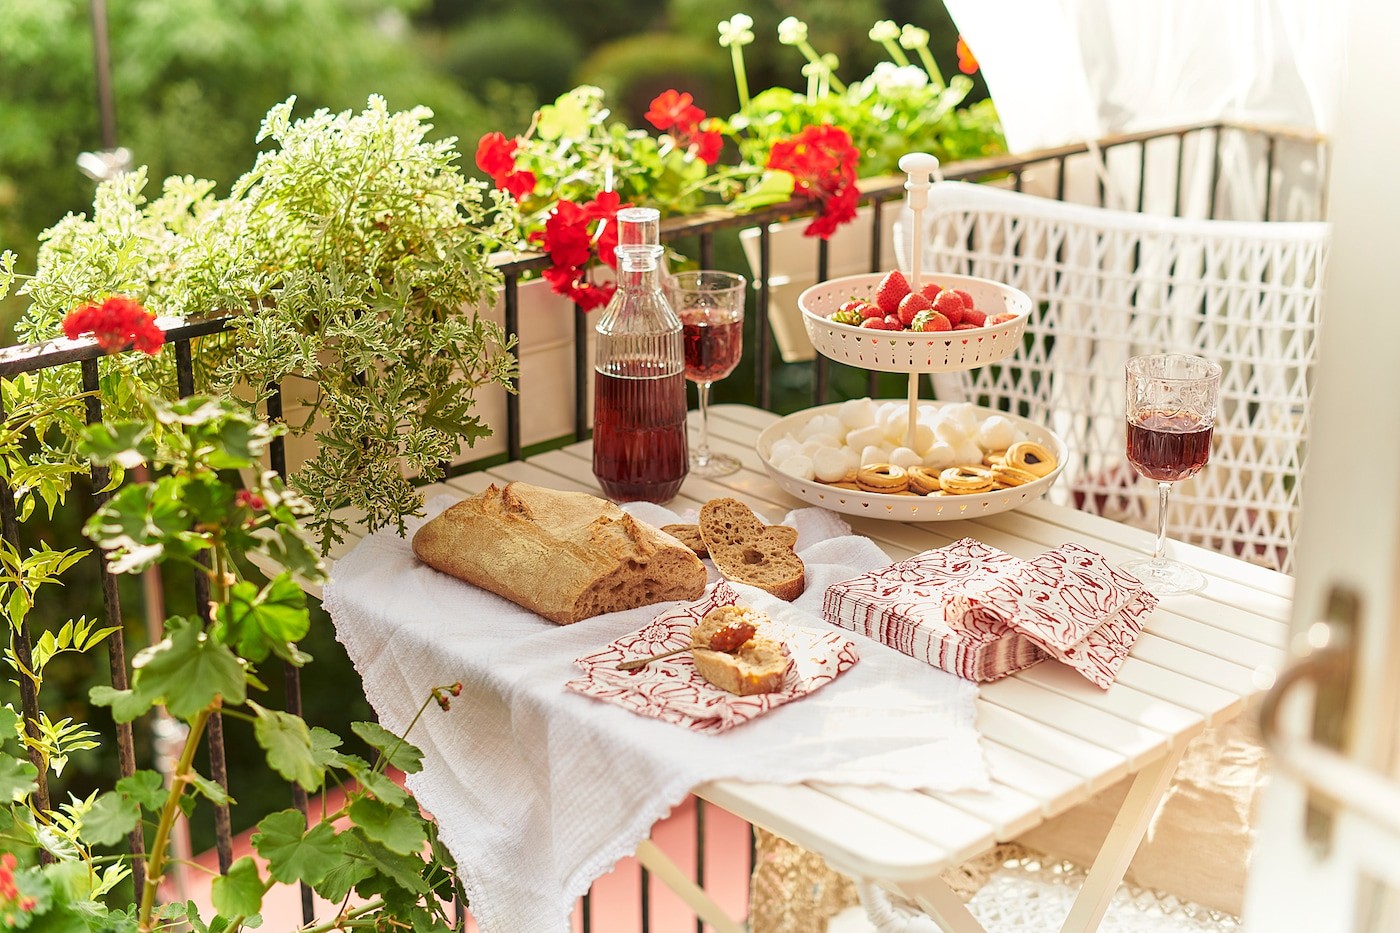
(910, 508)
(909, 351)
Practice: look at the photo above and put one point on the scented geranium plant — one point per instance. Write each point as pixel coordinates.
(354, 253)
(570, 172)
(65, 861)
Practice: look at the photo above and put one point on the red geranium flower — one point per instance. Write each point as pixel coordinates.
(495, 155)
(822, 162)
(116, 322)
(673, 108)
(967, 62)
(572, 246)
(708, 144)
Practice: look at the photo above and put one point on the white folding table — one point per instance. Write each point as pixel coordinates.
(1052, 740)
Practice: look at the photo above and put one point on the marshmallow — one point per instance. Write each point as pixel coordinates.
(823, 424)
(783, 448)
(940, 456)
(923, 437)
(831, 464)
(963, 415)
(856, 413)
(874, 454)
(951, 432)
(861, 438)
(904, 457)
(799, 466)
(996, 433)
(967, 453)
(818, 441)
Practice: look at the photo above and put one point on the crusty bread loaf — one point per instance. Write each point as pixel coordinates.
(689, 535)
(759, 664)
(747, 551)
(565, 555)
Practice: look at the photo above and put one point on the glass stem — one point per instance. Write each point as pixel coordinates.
(1163, 492)
(702, 451)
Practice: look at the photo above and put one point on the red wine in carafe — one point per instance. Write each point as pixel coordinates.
(1168, 445)
(639, 443)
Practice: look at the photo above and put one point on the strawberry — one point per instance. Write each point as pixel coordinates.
(870, 310)
(930, 291)
(974, 317)
(965, 296)
(967, 326)
(912, 304)
(1002, 318)
(950, 306)
(876, 323)
(891, 291)
(931, 320)
(893, 322)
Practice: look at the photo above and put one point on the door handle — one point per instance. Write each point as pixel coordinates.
(1332, 780)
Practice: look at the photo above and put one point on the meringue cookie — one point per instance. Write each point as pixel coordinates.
(967, 453)
(951, 432)
(963, 415)
(818, 441)
(823, 425)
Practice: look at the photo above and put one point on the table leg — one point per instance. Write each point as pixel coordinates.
(1121, 843)
(937, 900)
(657, 862)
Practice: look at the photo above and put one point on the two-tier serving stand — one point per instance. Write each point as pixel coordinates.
(917, 354)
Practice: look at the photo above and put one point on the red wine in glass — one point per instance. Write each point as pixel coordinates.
(1168, 446)
(639, 432)
(712, 349)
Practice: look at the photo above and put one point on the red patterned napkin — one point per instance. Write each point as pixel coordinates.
(903, 606)
(1069, 601)
(672, 690)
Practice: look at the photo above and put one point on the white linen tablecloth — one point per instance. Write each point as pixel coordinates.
(538, 790)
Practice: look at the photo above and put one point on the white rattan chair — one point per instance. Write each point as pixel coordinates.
(1106, 285)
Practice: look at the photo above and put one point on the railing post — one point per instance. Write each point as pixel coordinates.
(112, 609)
(291, 674)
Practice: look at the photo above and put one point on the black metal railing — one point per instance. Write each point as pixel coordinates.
(1196, 145)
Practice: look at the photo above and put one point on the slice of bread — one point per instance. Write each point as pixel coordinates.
(689, 535)
(746, 550)
(759, 664)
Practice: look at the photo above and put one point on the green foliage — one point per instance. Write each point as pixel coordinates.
(188, 513)
(518, 46)
(355, 249)
(634, 69)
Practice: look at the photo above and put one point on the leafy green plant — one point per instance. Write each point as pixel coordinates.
(354, 252)
(191, 513)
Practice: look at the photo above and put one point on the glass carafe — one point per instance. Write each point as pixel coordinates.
(639, 407)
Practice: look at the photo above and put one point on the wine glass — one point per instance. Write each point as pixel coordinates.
(1171, 416)
(711, 308)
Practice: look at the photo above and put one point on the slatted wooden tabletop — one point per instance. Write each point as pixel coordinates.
(1051, 738)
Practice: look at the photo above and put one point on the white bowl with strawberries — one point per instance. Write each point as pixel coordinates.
(877, 321)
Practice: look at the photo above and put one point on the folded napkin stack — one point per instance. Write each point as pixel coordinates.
(982, 614)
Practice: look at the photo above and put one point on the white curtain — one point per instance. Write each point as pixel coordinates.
(1067, 70)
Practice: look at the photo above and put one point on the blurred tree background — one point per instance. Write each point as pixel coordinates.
(192, 81)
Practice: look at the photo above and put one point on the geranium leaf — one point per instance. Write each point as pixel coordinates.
(146, 788)
(189, 670)
(240, 892)
(382, 787)
(394, 828)
(287, 742)
(210, 790)
(292, 853)
(112, 816)
(126, 705)
(125, 443)
(259, 621)
(398, 752)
